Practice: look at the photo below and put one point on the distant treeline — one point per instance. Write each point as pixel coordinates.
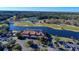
(41, 15)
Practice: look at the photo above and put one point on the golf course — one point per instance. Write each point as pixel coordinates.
(55, 26)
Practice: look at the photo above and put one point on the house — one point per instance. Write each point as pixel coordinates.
(32, 18)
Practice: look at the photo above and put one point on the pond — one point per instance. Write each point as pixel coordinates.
(61, 33)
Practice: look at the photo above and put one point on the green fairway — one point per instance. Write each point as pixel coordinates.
(69, 27)
(49, 25)
(65, 27)
(23, 24)
(55, 26)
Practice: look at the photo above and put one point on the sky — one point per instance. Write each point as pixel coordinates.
(53, 9)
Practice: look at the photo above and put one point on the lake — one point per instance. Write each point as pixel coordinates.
(61, 33)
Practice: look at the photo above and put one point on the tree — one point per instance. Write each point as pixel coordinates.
(17, 47)
(28, 43)
(62, 28)
(20, 36)
(57, 39)
(1, 46)
(12, 41)
(9, 46)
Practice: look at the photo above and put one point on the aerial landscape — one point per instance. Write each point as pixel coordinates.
(39, 31)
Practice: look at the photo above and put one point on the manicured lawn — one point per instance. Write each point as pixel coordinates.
(1, 25)
(69, 27)
(64, 39)
(50, 25)
(23, 24)
(66, 27)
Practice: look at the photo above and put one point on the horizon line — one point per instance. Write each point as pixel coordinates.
(41, 9)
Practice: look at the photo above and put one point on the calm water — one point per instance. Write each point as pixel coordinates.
(61, 33)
